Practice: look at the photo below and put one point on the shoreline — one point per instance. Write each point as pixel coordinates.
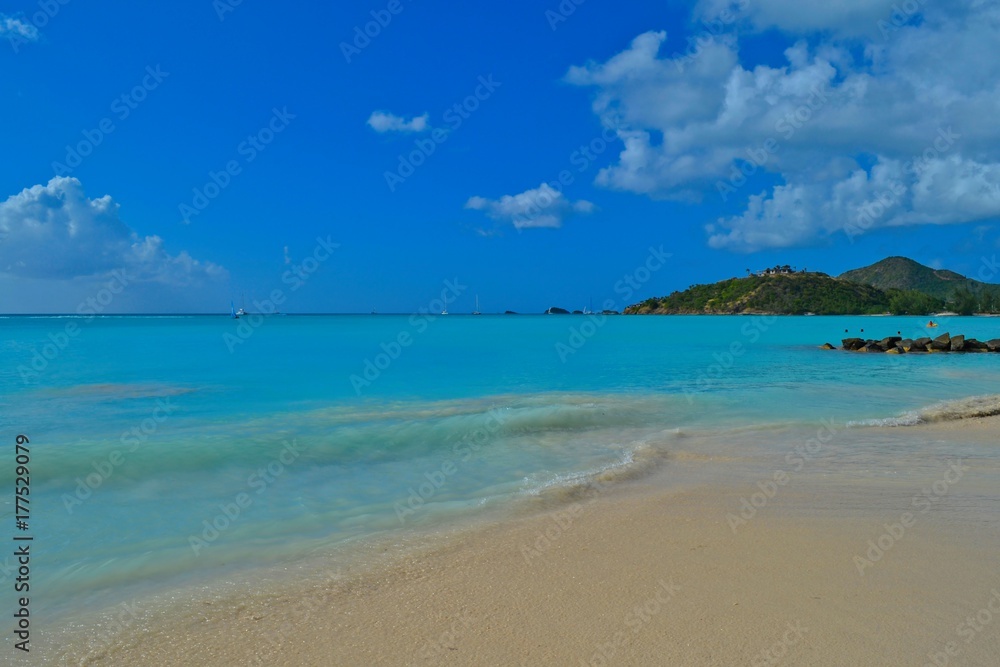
(639, 573)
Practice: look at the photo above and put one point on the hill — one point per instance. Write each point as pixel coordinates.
(905, 274)
(789, 294)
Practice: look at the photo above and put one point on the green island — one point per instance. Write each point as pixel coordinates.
(895, 285)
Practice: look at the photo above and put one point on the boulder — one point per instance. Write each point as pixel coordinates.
(921, 342)
(942, 342)
(973, 345)
(906, 344)
(889, 342)
(958, 343)
(852, 343)
(895, 350)
(827, 346)
(993, 345)
(872, 346)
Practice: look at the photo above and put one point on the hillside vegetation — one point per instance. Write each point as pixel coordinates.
(963, 295)
(791, 294)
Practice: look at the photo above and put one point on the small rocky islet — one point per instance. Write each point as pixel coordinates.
(899, 345)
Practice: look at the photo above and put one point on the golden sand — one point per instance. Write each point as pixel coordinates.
(635, 576)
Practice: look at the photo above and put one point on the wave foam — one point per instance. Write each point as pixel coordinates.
(973, 407)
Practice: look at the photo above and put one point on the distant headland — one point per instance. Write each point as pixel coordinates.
(895, 285)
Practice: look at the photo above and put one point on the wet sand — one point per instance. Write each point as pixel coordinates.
(638, 575)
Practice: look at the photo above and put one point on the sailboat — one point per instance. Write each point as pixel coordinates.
(476, 311)
(587, 310)
(232, 310)
(243, 302)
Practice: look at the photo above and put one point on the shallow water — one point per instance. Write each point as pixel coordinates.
(167, 451)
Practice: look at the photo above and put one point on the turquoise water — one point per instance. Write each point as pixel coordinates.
(166, 450)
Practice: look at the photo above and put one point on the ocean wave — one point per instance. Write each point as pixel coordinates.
(972, 407)
(635, 461)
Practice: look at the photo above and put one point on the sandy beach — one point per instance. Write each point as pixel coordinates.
(823, 573)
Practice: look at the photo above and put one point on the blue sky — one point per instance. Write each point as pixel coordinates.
(825, 107)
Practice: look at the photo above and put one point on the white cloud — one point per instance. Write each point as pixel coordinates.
(844, 123)
(17, 29)
(382, 121)
(543, 206)
(847, 17)
(55, 231)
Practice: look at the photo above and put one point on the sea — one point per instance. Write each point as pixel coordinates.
(167, 452)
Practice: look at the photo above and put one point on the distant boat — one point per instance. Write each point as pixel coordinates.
(243, 302)
(476, 311)
(232, 310)
(374, 312)
(587, 310)
(445, 311)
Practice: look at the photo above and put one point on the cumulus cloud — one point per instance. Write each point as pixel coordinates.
(382, 121)
(853, 134)
(845, 17)
(55, 231)
(17, 29)
(543, 206)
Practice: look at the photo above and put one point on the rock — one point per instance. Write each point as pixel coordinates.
(942, 342)
(556, 311)
(906, 344)
(852, 343)
(973, 345)
(827, 346)
(895, 350)
(958, 343)
(578, 312)
(872, 346)
(993, 345)
(889, 342)
(921, 342)
(510, 312)
(610, 312)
